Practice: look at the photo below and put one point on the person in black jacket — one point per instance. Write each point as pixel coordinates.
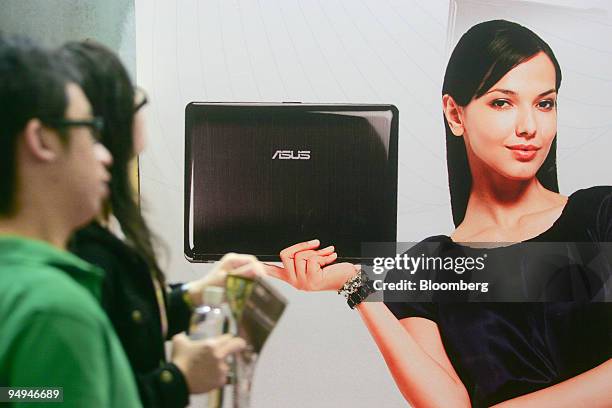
(144, 310)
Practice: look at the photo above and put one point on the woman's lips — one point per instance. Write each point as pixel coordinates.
(105, 190)
(106, 185)
(524, 152)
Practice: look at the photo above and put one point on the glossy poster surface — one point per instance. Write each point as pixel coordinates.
(365, 52)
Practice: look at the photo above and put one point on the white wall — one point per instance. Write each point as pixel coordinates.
(361, 51)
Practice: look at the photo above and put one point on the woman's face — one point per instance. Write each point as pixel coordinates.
(138, 130)
(509, 129)
(139, 133)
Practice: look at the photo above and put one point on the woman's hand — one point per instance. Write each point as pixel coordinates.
(304, 267)
(203, 362)
(247, 266)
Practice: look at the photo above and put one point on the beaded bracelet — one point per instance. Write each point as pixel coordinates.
(357, 289)
(351, 285)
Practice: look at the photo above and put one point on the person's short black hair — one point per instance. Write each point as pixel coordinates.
(32, 85)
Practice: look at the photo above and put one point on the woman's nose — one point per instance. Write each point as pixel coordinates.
(526, 125)
(103, 155)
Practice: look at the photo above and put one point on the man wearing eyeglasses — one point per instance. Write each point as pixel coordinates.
(53, 178)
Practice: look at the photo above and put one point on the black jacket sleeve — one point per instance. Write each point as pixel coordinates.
(178, 311)
(129, 300)
(165, 387)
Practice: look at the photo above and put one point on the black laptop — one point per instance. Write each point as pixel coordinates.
(260, 177)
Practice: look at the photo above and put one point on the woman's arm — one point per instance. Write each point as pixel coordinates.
(591, 389)
(179, 308)
(415, 355)
(231, 264)
(183, 298)
(411, 348)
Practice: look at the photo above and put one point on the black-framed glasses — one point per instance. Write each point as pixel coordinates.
(141, 97)
(95, 125)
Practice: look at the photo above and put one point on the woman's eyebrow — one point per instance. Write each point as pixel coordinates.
(553, 90)
(513, 93)
(505, 91)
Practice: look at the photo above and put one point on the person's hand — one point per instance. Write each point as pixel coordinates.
(231, 264)
(202, 362)
(304, 267)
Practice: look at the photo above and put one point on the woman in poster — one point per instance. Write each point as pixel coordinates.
(499, 102)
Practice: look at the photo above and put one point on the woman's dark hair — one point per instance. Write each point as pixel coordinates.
(110, 91)
(32, 85)
(483, 55)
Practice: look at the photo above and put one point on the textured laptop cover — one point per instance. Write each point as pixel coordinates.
(260, 177)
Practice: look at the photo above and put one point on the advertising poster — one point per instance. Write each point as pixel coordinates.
(395, 53)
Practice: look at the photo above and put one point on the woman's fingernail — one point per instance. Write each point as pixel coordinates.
(313, 242)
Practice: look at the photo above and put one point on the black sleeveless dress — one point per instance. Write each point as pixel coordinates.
(504, 350)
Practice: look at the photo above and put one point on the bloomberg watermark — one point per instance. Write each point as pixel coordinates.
(445, 271)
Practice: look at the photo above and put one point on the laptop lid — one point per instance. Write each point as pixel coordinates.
(260, 177)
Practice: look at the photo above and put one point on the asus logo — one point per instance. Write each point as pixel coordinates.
(291, 155)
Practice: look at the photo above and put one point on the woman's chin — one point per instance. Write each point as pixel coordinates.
(521, 171)
(522, 176)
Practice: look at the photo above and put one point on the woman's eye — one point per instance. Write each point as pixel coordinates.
(547, 104)
(500, 103)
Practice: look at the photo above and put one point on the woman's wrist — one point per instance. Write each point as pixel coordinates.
(357, 289)
(350, 283)
(192, 293)
(337, 282)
